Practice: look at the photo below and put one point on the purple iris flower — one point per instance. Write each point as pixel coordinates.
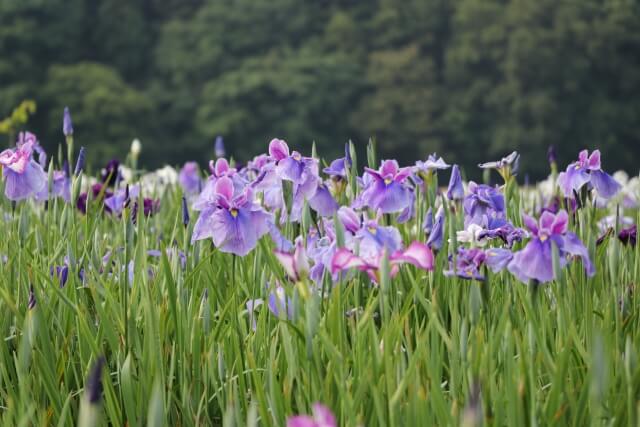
(234, 223)
(280, 303)
(483, 203)
(427, 224)
(436, 234)
(23, 176)
(387, 192)
(323, 202)
(502, 229)
(96, 191)
(468, 262)
(189, 178)
(322, 417)
(497, 259)
(535, 261)
(119, 199)
(455, 191)
(587, 170)
(220, 168)
(349, 219)
(375, 238)
(292, 167)
(61, 188)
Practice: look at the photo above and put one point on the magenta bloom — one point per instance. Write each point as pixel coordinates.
(587, 170)
(416, 253)
(386, 192)
(23, 176)
(535, 261)
(322, 417)
(295, 264)
(234, 223)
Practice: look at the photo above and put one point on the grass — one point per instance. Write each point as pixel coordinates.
(422, 349)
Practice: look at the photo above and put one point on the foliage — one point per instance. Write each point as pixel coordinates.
(461, 77)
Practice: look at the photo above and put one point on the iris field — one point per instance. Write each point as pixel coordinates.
(294, 291)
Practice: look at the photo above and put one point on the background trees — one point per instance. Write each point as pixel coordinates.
(471, 79)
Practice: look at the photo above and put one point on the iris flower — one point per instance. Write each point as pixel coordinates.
(23, 176)
(235, 223)
(482, 204)
(387, 192)
(189, 178)
(535, 261)
(322, 417)
(455, 191)
(587, 170)
(416, 253)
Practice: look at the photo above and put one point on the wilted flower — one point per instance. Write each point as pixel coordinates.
(506, 167)
(387, 192)
(23, 176)
(322, 417)
(455, 191)
(587, 170)
(433, 163)
(535, 261)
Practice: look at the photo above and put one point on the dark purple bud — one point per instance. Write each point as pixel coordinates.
(32, 298)
(65, 168)
(67, 124)
(219, 147)
(111, 173)
(185, 212)
(551, 154)
(628, 236)
(60, 272)
(93, 388)
(80, 162)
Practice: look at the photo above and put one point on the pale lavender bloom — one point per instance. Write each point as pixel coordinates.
(23, 176)
(118, 201)
(61, 188)
(387, 192)
(279, 303)
(433, 163)
(349, 219)
(322, 417)
(587, 170)
(497, 259)
(375, 238)
(323, 202)
(455, 191)
(535, 261)
(234, 223)
(189, 178)
(219, 169)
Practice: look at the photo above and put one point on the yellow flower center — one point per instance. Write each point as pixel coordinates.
(387, 181)
(234, 212)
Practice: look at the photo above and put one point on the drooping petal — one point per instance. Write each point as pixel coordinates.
(497, 259)
(418, 254)
(604, 184)
(344, 259)
(533, 262)
(573, 246)
(323, 202)
(573, 179)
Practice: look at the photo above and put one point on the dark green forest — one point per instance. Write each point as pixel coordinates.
(469, 79)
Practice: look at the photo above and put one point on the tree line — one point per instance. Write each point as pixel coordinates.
(469, 79)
